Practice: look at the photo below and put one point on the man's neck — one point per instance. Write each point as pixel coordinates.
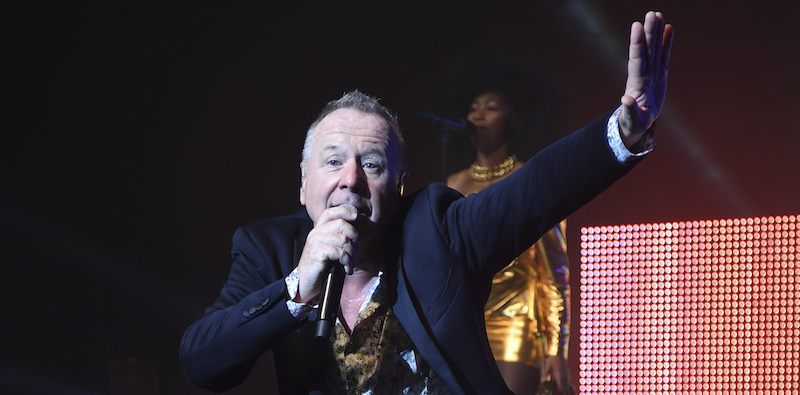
(356, 288)
(369, 256)
(364, 270)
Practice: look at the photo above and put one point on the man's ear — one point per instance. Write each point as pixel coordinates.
(302, 184)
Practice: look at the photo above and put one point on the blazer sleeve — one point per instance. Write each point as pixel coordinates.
(489, 228)
(250, 315)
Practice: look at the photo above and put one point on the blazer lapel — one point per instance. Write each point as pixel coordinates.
(415, 323)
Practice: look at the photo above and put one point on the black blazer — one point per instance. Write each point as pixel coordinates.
(444, 253)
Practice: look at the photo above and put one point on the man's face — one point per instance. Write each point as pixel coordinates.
(354, 160)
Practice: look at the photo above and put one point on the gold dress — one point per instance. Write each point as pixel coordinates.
(527, 314)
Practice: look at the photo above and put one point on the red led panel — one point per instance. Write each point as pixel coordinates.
(694, 307)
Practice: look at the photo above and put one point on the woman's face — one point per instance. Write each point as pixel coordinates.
(491, 114)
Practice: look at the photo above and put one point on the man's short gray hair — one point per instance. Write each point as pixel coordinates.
(366, 104)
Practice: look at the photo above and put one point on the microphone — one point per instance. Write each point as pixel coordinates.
(449, 124)
(331, 294)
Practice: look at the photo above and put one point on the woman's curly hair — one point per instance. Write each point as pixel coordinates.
(538, 106)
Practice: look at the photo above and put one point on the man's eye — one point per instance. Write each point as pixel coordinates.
(371, 166)
(334, 162)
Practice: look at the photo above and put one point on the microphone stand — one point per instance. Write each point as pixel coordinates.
(445, 141)
(447, 126)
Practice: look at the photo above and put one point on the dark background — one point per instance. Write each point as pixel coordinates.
(137, 136)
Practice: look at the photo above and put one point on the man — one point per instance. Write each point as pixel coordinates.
(419, 267)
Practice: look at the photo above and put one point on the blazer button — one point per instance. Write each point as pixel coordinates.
(264, 302)
(246, 314)
(252, 310)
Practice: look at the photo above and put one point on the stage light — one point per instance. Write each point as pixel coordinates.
(691, 307)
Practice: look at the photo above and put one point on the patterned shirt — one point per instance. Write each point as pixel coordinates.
(378, 357)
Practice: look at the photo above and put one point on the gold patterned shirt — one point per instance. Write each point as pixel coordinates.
(378, 357)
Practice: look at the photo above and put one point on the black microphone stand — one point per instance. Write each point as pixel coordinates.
(447, 127)
(445, 141)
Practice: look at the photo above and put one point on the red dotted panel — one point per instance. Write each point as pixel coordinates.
(694, 307)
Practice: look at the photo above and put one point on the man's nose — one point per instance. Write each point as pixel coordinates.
(353, 176)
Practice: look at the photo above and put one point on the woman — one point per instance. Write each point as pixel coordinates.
(527, 314)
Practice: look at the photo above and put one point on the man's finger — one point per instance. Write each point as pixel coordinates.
(666, 51)
(651, 37)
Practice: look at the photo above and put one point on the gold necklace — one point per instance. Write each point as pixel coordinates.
(486, 173)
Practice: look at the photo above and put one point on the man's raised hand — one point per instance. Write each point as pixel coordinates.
(648, 66)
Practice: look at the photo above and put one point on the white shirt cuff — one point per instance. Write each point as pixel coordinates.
(298, 310)
(622, 153)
